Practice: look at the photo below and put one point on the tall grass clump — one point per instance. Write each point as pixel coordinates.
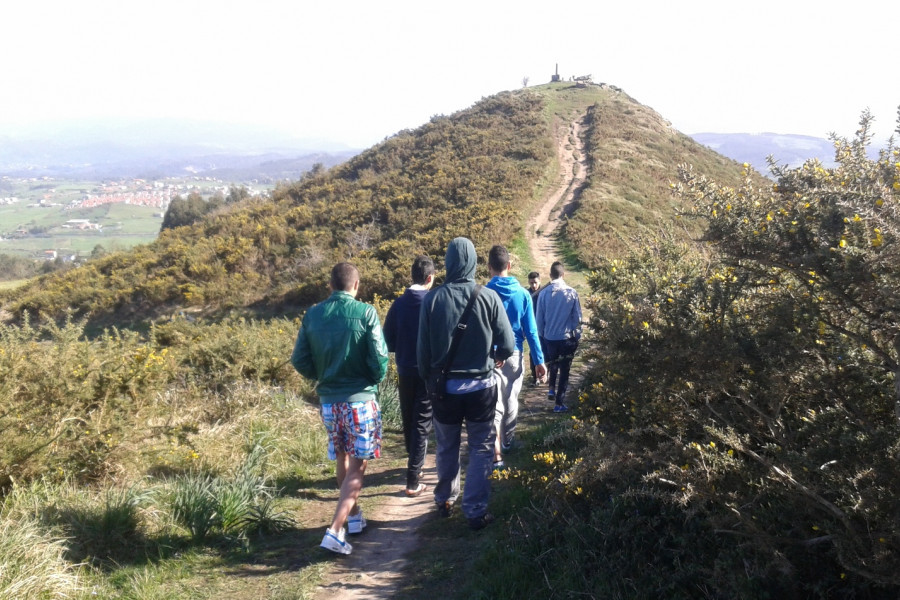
(33, 562)
(98, 525)
(194, 505)
(389, 400)
(233, 507)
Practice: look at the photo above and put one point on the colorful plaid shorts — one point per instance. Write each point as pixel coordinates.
(353, 428)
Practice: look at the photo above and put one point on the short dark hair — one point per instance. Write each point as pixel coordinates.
(534, 275)
(422, 267)
(343, 276)
(498, 258)
(557, 270)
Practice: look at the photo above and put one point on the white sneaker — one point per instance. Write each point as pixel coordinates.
(335, 542)
(356, 523)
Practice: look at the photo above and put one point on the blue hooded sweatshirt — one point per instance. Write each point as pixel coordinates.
(518, 305)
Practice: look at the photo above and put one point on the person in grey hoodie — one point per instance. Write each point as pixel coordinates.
(472, 387)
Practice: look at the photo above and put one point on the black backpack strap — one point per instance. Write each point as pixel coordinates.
(460, 329)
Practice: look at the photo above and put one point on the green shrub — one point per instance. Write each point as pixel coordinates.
(194, 505)
(738, 436)
(389, 400)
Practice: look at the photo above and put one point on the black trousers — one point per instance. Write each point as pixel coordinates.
(416, 412)
(559, 355)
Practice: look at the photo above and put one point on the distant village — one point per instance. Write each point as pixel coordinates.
(48, 192)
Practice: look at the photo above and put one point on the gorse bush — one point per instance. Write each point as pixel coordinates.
(73, 405)
(739, 435)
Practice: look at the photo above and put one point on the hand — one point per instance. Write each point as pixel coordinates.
(499, 363)
(540, 372)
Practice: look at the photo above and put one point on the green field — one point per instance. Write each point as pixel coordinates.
(8, 285)
(123, 226)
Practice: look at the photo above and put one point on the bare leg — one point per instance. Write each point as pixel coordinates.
(350, 472)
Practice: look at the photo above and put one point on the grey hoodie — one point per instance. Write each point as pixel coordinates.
(488, 335)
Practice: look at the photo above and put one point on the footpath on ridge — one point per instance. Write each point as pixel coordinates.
(375, 569)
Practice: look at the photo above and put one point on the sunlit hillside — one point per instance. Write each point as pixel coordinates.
(477, 172)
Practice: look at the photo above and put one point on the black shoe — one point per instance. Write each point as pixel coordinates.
(481, 522)
(445, 509)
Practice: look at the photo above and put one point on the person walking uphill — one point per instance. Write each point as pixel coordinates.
(341, 347)
(534, 289)
(469, 394)
(559, 325)
(517, 303)
(401, 332)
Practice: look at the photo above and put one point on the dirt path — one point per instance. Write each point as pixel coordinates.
(375, 569)
(541, 230)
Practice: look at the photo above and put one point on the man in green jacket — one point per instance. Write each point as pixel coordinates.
(340, 346)
(471, 390)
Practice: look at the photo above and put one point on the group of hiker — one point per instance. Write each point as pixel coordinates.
(459, 351)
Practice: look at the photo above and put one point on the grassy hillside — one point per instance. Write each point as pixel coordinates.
(477, 172)
(633, 154)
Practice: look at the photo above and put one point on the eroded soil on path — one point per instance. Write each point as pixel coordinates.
(542, 230)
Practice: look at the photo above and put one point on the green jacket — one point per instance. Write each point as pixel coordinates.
(488, 335)
(340, 346)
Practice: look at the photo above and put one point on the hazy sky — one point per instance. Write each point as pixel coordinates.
(359, 71)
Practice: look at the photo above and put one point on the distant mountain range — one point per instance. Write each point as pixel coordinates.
(786, 149)
(159, 148)
(153, 149)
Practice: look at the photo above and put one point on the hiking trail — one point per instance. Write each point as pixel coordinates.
(375, 569)
(542, 229)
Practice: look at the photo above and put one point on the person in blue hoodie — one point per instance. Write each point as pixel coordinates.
(470, 394)
(520, 311)
(401, 332)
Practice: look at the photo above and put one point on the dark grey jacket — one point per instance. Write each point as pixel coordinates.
(488, 336)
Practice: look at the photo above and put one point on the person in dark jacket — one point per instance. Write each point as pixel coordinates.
(401, 331)
(471, 389)
(534, 288)
(340, 346)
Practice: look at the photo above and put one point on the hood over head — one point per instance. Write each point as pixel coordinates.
(460, 260)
